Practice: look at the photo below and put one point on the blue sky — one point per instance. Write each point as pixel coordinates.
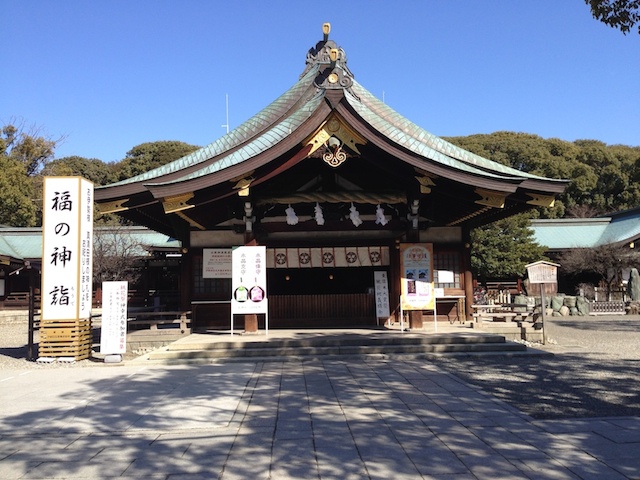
(109, 75)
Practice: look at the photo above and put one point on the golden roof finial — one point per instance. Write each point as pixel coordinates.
(326, 28)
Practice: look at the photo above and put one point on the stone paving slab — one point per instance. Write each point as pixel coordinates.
(356, 419)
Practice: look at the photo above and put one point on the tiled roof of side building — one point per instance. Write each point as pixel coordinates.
(26, 243)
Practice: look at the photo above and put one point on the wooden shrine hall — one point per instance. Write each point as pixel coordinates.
(332, 182)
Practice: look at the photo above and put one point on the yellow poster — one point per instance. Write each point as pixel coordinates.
(416, 273)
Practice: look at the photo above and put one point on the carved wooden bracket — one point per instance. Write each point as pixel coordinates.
(113, 207)
(491, 198)
(177, 203)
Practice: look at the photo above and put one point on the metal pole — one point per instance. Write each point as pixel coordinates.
(435, 314)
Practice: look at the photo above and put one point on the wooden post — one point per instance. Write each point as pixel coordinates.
(251, 323)
(415, 319)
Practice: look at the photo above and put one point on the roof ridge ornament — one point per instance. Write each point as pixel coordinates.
(331, 60)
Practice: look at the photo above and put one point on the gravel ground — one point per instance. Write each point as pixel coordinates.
(593, 373)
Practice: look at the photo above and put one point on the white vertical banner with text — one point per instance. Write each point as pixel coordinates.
(249, 280)
(381, 289)
(113, 330)
(67, 244)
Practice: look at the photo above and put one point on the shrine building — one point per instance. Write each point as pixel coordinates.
(332, 182)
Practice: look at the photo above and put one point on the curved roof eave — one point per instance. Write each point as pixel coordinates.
(416, 139)
(444, 168)
(261, 121)
(257, 147)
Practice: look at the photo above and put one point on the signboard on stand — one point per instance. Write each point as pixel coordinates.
(543, 273)
(113, 330)
(249, 281)
(417, 288)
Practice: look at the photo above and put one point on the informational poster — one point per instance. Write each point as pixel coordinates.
(216, 263)
(249, 280)
(113, 330)
(67, 231)
(446, 276)
(416, 264)
(381, 289)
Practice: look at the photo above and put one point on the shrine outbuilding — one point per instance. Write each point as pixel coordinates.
(332, 182)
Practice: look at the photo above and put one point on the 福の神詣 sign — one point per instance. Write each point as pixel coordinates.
(67, 267)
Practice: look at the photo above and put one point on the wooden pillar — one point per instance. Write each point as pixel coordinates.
(251, 323)
(467, 274)
(415, 319)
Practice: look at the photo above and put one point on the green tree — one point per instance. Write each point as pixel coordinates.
(94, 170)
(603, 177)
(620, 14)
(16, 191)
(607, 261)
(30, 149)
(22, 156)
(147, 156)
(502, 249)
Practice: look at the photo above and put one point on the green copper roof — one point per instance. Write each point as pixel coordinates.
(560, 234)
(259, 144)
(287, 113)
(26, 243)
(415, 138)
(237, 136)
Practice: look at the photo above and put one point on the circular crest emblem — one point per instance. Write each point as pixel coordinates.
(352, 257)
(281, 258)
(375, 257)
(304, 258)
(327, 257)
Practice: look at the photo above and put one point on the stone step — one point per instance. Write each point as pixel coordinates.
(338, 341)
(336, 348)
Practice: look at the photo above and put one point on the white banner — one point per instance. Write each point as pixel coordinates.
(67, 231)
(381, 288)
(113, 330)
(249, 280)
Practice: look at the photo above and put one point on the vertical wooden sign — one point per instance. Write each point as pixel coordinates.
(67, 267)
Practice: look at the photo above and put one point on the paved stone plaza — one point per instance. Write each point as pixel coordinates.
(351, 419)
